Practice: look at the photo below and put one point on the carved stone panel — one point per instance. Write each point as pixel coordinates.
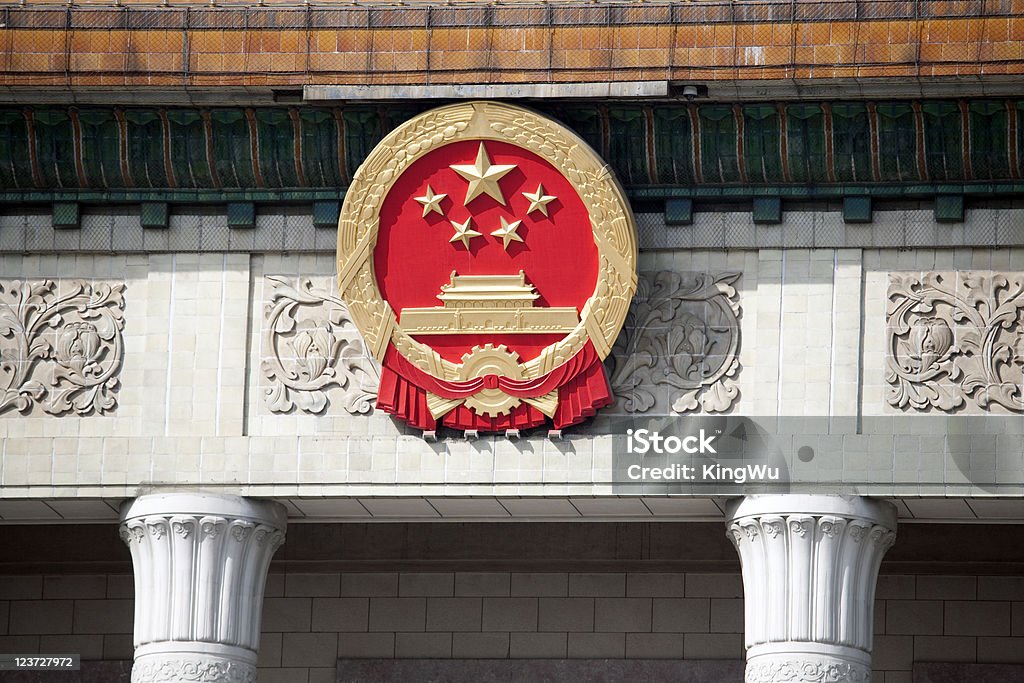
(312, 353)
(955, 341)
(681, 340)
(61, 346)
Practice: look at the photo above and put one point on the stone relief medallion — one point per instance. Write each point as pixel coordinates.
(488, 257)
(682, 334)
(955, 341)
(61, 347)
(311, 347)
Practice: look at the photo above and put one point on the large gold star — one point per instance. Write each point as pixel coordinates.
(507, 233)
(463, 233)
(432, 202)
(538, 200)
(483, 177)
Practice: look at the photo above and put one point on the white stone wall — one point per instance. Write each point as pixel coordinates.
(194, 334)
(184, 344)
(192, 402)
(311, 619)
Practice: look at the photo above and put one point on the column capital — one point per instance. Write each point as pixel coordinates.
(268, 512)
(200, 563)
(810, 563)
(876, 511)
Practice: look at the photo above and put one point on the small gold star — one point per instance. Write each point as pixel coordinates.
(463, 233)
(431, 202)
(538, 200)
(507, 232)
(483, 177)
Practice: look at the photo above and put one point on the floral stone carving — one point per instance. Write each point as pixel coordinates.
(955, 341)
(310, 345)
(806, 670)
(682, 334)
(192, 669)
(61, 346)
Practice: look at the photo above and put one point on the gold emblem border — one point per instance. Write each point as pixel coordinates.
(612, 221)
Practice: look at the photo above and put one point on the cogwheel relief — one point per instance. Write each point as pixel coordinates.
(486, 360)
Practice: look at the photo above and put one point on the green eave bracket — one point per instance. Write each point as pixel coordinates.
(857, 209)
(767, 210)
(949, 208)
(154, 215)
(678, 212)
(241, 215)
(325, 214)
(66, 215)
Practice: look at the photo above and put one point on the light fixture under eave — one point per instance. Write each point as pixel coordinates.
(690, 91)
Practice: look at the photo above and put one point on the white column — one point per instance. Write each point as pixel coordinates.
(810, 563)
(200, 564)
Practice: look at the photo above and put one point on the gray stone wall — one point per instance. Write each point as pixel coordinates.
(312, 619)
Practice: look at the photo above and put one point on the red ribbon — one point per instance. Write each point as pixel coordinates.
(581, 383)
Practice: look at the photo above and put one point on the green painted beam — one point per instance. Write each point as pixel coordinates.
(634, 192)
(650, 142)
(172, 196)
(839, 191)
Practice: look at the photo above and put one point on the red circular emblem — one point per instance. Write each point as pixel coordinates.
(478, 255)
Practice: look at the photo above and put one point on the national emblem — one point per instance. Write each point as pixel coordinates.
(528, 312)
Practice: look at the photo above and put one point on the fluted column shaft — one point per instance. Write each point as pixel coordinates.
(200, 563)
(810, 564)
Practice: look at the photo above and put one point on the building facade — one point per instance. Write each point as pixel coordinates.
(788, 235)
